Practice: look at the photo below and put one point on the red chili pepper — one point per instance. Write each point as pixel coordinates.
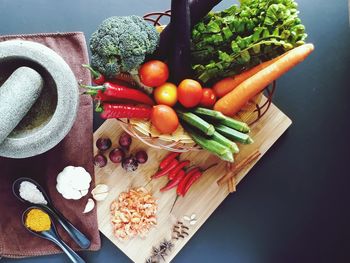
(166, 170)
(183, 182)
(195, 176)
(117, 91)
(165, 162)
(180, 165)
(97, 77)
(172, 183)
(112, 111)
(101, 97)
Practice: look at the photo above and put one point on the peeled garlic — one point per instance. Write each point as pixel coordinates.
(100, 192)
(89, 206)
(193, 216)
(186, 218)
(193, 222)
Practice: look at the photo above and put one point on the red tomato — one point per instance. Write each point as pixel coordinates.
(189, 93)
(154, 73)
(164, 118)
(208, 99)
(166, 94)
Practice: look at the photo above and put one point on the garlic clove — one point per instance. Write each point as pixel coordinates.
(186, 218)
(100, 197)
(193, 222)
(193, 216)
(89, 206)
(100, 188)
(100, 192)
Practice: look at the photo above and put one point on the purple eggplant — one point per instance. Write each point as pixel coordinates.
(180, 55)
(198, 10)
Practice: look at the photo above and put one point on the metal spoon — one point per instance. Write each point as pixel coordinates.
(73, 232)
(52, 236)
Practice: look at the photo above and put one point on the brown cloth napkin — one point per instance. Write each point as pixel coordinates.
(76, 149)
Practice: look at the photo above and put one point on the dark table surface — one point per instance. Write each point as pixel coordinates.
(294, 205)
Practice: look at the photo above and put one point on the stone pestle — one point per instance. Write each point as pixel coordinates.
(17, 95)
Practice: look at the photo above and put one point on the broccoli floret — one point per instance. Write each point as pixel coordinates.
(121, 43)
(105, 65)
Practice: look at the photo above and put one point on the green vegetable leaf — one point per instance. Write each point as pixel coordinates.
(213, 27)
(225, 57)
(299, 29)
(227, 32)
(285, 34)
(235, 47)
(201, 27)
(245, 56)
(274, 13)
(266, 33)
(256, 49)
(257, 33)
(217, 38)
(240, 42)
(288, 46)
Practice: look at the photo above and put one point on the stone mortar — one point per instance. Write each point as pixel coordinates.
(53, 114)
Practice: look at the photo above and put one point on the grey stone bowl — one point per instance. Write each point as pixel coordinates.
(53, 114)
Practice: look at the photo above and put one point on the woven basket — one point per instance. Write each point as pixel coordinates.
(180, 141)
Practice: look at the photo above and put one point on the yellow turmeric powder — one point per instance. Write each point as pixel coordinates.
(37, 220)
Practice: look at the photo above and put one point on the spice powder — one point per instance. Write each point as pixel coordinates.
(37, 220)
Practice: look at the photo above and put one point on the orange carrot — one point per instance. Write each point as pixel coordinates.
(232, 102)
(224, 86)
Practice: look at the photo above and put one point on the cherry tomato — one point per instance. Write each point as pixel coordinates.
(208, 99)
(166, 94)
(164, 118)
(189, 93)
(154, 73)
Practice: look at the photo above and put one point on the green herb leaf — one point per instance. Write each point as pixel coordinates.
(213, 27)
(235, 47)
(225, 57)
(245, 56)
(256, 49)
(227, 32)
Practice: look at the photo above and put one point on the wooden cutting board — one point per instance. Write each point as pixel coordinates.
(202, 199)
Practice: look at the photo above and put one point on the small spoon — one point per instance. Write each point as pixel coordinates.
(52, 236)
(73, 232)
